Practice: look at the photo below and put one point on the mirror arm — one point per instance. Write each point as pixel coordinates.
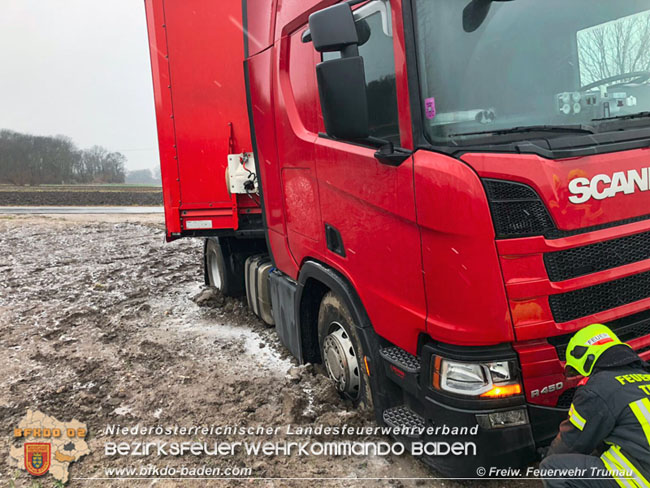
(386, 152)
(391, 156)
(350, 50)
(377, 142)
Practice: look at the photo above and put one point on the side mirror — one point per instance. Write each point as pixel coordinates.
(475, 13)
(333, 29)
(341, 82)
(343, 98)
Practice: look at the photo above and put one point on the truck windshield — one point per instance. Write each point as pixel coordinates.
(509, 66)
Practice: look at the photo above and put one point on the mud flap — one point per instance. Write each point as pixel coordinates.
(283, 302)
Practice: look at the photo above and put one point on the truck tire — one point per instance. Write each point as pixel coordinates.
(341, 351)
(223, 269)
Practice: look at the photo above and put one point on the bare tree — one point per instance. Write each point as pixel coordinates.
(616, 48)
(35, 160)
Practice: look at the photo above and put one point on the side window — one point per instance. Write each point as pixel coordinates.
(302, 76)
(373, 20)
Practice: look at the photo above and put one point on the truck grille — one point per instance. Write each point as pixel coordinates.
(627, 328)
(566, 398)
(598, 298)
(580, 261)
(518, 211)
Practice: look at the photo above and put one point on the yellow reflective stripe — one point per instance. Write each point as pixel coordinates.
(620, 481)
(641, 410)
(622, 467)
(576, 419)
(577, 424)
(622, 464)
(629, 467)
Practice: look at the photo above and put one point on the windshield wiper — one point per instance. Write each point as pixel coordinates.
(639, 115)
(572, 129)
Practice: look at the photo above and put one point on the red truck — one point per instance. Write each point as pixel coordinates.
(428, 197)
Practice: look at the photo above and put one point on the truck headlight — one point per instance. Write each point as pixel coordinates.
(495, 379)
(462, 378)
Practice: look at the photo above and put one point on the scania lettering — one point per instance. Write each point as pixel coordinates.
(603, 186)
(428, 197)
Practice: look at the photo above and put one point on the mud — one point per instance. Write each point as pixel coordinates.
(101, 321)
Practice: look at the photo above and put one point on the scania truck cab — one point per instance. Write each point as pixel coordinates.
(428, 197)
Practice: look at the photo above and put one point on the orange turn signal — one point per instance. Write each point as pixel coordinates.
(436, 372)
(503, 391)
(365, 361)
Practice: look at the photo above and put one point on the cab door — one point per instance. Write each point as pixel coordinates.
(367, 209)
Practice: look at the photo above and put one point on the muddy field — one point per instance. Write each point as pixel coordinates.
(103, 322)
(81, 196)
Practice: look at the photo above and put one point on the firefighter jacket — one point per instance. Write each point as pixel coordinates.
(614, 408)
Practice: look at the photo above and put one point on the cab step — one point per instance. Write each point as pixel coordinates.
(403, 418)
(401, 359)
(401, 367)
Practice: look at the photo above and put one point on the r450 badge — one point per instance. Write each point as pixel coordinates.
(547, 389)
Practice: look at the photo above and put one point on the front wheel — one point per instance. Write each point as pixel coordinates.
(341, 351)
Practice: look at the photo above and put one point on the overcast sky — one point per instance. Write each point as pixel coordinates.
(79, 68)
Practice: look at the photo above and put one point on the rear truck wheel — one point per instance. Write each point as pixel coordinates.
(223, 269)
(342, 353)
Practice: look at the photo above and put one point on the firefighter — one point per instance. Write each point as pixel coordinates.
(607, 434)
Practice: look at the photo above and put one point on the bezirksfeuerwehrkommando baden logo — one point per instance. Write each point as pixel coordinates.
(48, 445)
